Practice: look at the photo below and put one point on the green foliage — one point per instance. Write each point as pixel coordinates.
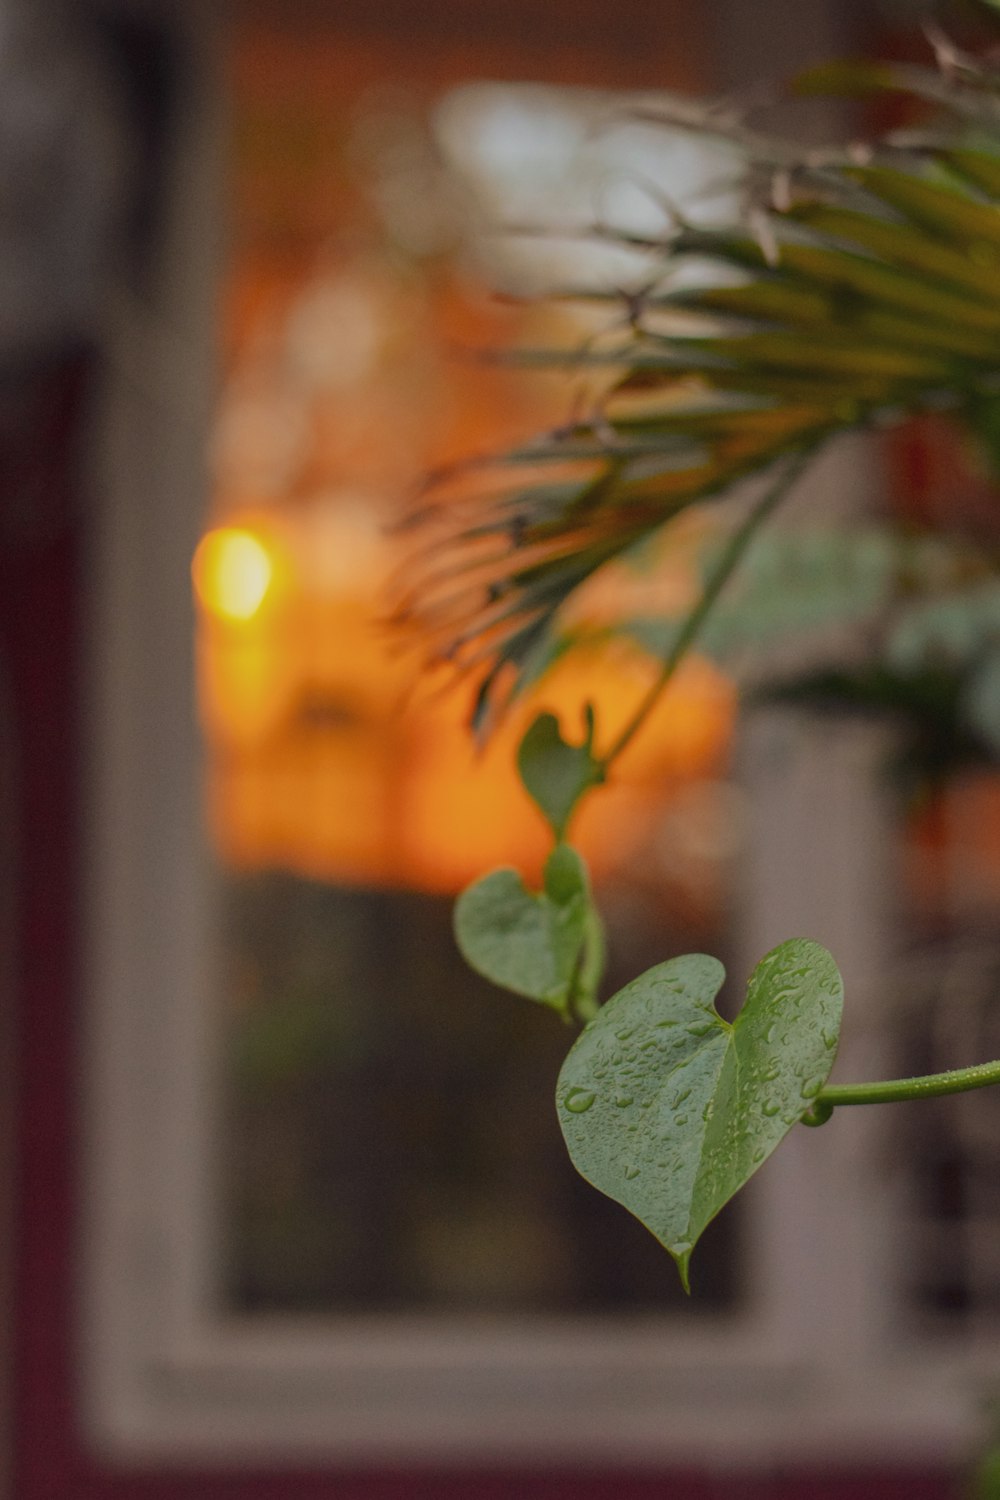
(934, 733)
(982, 700)
(547, 945)
(794, 584)
(930, 608)
(555, 773)
(932, 664)
(854, 289)
(986, 1481)
(669, 1109)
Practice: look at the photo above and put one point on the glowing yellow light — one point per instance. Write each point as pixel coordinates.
(232, 572)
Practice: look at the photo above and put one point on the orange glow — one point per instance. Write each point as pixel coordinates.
(318, 767)
(342, 388)
(232, 572)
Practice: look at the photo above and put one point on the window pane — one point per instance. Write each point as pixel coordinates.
(947, 1018)
(390, 1140)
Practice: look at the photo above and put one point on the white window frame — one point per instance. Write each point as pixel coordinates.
(810, 1369)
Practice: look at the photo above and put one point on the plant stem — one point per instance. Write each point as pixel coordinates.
(891, 1091)
(586, 1007)
(730, 556)
(957, 1081)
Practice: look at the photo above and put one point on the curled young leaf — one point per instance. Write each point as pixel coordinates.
(555, 773)
(669, 1109)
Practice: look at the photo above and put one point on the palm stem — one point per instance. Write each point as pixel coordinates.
(728, 560)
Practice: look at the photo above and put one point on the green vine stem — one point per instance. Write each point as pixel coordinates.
(728, 560)
(957, 1081)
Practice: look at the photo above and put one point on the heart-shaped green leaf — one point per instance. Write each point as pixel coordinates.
(547, 945)
(555, 773)
(669, 1109)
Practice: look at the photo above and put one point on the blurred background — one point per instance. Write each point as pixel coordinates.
(286, 1209)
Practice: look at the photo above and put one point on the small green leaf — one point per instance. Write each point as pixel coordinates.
(669, 1109)
(555, 773)
(536, 944)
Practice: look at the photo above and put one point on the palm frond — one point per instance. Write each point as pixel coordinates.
(860, 288)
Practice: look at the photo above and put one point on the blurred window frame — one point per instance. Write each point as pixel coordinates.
(806, 1371)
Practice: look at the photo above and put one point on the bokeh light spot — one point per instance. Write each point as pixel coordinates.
(232, 572)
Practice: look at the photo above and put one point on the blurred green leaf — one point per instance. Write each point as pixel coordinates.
(986, 1480)
(982, 415)
(906, 247)
(982, 700)
(849, 78)
(981, 168)
(959, 218)
(555, 773)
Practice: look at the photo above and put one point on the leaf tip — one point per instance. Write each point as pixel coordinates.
(682, 1260)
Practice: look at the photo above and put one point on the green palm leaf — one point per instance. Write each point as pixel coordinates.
(868, 291)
